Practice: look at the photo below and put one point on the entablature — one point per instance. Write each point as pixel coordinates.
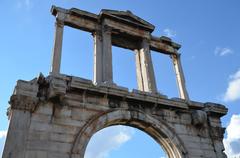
(124, 25)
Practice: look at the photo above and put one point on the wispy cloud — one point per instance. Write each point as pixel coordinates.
(113, 138)
(222, 51)
(232, 142)
(27, 3)
(3, 134)
(24, 4)
(169, 33)
(233, 90)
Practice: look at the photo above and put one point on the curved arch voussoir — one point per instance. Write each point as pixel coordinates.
(157, 129)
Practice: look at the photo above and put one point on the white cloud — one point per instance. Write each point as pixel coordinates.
(222, 51)
(3, 134)
(233, 91)
(106, 140)
(232, 142)
(169, 33)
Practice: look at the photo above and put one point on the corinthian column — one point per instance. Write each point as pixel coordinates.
(107, 55)
(144, 67)
(180, 76)
(98, 58)
(57, 48)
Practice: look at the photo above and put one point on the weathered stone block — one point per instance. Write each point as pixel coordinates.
(56, 116)
(36, 154)
(83, 114)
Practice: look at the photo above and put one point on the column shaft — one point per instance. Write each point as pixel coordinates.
(139, 70)
(57, 49)
(98, 58)
(180, 77)
(145, 72)
(107, 55)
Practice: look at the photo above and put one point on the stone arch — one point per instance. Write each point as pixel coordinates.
(163, 134)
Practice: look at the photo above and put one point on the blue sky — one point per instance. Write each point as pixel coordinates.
(207, 30)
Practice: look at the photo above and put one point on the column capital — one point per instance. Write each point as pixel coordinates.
(175, 57)
(61, 17)
(107, 29)
(176, 54)
(146, 40)
(59, 23)
(97, 34)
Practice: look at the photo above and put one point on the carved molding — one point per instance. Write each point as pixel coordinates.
(22, 102)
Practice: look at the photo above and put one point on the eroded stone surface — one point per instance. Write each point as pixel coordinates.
(62, 127)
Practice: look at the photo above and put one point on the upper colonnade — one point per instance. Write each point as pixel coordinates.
(122, 29)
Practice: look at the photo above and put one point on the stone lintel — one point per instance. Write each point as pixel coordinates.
(55, 10)
(125, 26)
(121, 28)
(127, 42)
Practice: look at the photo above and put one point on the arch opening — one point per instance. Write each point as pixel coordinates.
(157, 129)
(123, 141)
